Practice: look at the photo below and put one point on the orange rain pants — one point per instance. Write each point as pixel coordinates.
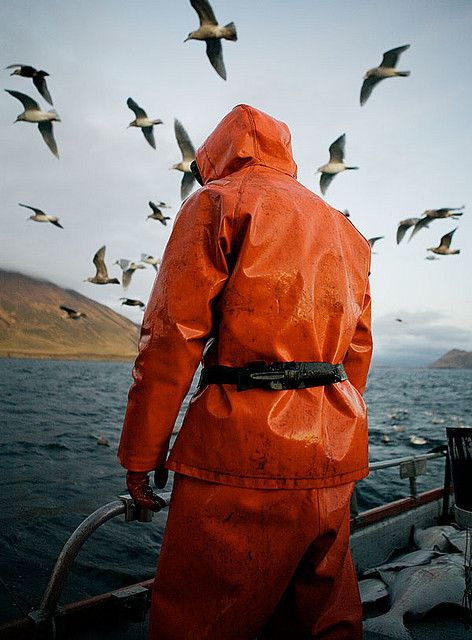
(239, 563)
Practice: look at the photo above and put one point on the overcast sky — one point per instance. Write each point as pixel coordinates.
(301, 61)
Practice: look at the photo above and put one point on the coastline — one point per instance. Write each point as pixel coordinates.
(102, 357)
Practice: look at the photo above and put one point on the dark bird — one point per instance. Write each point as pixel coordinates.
(40, 216)
(372, 241)
(335, 164)
(435, 214)
(443, 248)
(43, 119)
(72, 313)
(210, 31)
(150, 260)
(130, 302)
(101, 276)
(386, 69)
(157, 214)
(128, 268)
(143, 122)
(403, 227)
(188, 155)
(38, 77)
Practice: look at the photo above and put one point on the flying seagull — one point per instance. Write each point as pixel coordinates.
(142, 121)
(72, 313)
(40, 216)
(210, 31)
(403, 227)
(188, 155)
(43, 119)
(128, 268)
(386, 69)
(38, 77)
(443, 248)
(101, 276)
(130, 302)
(157, 214)
(150, 260)
(434, 214)
(335, 164)
(372, 241)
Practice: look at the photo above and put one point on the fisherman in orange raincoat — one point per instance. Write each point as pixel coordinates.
(267, 285)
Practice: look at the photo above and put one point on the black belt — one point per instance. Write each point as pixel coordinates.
(277, 376)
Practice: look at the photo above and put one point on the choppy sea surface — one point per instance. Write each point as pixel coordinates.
(54, 474)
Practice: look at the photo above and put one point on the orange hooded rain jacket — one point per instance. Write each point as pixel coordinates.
(257, 268)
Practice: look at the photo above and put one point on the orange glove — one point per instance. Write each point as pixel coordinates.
(141, 491)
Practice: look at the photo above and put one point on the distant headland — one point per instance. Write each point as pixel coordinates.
(32, 324)
(454, 359)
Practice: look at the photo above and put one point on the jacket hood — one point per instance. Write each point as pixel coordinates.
(246, 136)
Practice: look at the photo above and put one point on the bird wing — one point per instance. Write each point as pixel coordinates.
(185, 144)
(367, 86)
(99, 262)
(372, 241)
(28, 103)
(144, 256)
(124, 264)
(139, 113)
(154, 207)
(336, 149)
(390, 58)
(68, 309)
(215, 55)
(325, 181)
(148, 133)
(403, 227)
(186, 185)
(421, 224)
(32, 208)
(40, 84)
(45, 128)
(446, 239)
(205, 12)
(126, 278)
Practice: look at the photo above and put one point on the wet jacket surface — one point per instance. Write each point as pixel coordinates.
(257, 268)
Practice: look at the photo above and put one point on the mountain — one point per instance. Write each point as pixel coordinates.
(454, 359)
(33, 326)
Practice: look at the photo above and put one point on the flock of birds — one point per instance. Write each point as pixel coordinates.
(212, 34)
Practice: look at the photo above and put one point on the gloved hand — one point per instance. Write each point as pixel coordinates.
(140, 489)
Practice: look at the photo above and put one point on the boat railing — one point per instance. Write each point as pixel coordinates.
(44, 618)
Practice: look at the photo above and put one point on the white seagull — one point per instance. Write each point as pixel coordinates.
(335, 164)
(143, 122)
(188, 155)
(40, 216)
(128, 268)
(386, 69)
(43, 119)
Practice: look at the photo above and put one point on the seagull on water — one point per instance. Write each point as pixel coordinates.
(130, 302)
(40, 216)
(435, 214)
(386, 69)
(403, 227)
(150, 260)
(38, 77)
(443, 248)
(73, 314)
(210, 31)
(128, 268)
(335, 164)
(157, 214)
(142, 121)
(101, 276)
(188, 156)
(43, 119)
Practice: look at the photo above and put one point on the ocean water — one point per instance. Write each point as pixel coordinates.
(54, 474)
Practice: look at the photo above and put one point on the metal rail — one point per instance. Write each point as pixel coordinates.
(385, 464)
(124, 505)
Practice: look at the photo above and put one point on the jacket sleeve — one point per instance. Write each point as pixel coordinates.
(176, 325)
(357, 360)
